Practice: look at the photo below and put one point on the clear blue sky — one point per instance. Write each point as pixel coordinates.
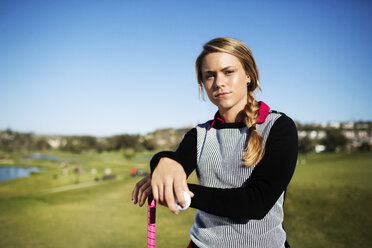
(111, 67)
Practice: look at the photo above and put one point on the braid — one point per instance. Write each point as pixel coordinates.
(254, 151)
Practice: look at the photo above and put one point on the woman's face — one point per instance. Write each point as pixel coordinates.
(225, 81)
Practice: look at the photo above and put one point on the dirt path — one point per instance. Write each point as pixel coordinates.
(69, 187)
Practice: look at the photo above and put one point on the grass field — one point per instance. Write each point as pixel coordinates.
(328, 204)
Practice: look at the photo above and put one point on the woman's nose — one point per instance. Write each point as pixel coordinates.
(220, 81)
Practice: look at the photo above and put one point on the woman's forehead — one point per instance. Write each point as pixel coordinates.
(219, 60)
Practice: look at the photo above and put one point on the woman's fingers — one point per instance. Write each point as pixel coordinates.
(160, 192)
(141, 190)
(136, 191)
(145, 192)
(180, 185)
(155, 191)
(169, 197)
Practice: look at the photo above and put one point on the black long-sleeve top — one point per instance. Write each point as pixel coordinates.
(267, 182)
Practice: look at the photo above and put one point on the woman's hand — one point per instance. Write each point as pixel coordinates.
(169, 180)
(142, 190)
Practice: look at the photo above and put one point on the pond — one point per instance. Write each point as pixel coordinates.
(11, 172)
(43, 157)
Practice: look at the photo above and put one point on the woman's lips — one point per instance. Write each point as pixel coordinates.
(222, 94)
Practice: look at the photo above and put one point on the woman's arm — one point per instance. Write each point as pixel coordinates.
(267, 182)
(181, 163)
(185, 154)
(170, 170)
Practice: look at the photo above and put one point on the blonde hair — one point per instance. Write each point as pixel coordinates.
(254, 150)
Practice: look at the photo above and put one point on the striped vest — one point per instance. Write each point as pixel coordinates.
(220, 165)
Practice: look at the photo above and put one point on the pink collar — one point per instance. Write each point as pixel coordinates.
(263, 112)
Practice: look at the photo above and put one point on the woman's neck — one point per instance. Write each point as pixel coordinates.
(230, 116)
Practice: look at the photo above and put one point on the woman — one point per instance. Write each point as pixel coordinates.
(244, 158)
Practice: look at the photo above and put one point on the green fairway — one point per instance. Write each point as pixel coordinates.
(327, 204)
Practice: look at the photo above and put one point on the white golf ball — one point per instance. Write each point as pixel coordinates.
(187, 199)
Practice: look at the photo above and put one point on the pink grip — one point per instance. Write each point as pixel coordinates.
(151, 214)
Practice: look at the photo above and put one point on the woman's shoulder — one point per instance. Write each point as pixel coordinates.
(205, 125)
(279, 117)
(274, 116)
(275, 120)
(278, 122)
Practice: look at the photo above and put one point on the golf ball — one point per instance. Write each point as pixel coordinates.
(187, 199)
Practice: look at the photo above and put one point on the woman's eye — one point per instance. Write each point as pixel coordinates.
(229, 72)
(208, 76)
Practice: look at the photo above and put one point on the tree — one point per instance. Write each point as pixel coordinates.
(305, 145)
(129, 154)
(149, 144)
(15, 141)
(42, 144)
(364, 147)
(71, 145)
(87, 142)
(124, 141)
(334, 141)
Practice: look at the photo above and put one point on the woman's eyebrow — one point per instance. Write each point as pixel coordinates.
(208, 71)
(228, 67)
(223, 69)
